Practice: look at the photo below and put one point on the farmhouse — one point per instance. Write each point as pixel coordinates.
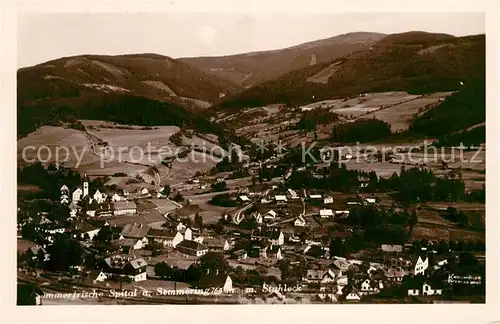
(391, 248)
(240, 255)
(192, 248)
(300, 221)
(270, 215)
(216, 244)
(275, 237)
(136, 231)
(98, 197)
(325, 213)
(167, 238)
(328, 200)
(134, 269)
(342, 213)
(215, 280)
(77, 195)
(319, 276)
(280, 199)
(97, 276)
(130, 244)
(124, 208)
(243, 199)
(369, 286)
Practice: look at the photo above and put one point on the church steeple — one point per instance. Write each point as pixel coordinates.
(85, 185)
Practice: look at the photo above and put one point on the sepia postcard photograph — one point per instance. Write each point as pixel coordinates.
(251, 158)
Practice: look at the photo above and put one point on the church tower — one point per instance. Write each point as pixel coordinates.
(85, 186)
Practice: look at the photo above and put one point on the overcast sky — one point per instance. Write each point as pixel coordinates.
(43, 37)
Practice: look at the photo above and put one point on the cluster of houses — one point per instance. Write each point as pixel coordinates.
(332, 278)
(100, 204)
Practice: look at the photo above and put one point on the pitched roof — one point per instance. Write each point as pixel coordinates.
(161, 233)
(82, 226)
(214, 242)
(240, 252)
(212, 279)
(121, 205)
(268, 234)
(315, 274)
(135, 230)
(391, 248)
(326, 212)
(138, 263)
(191, 245)
(125, 242)
(94, 274)
(272, 213)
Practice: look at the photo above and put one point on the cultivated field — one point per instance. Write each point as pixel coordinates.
(400, 116)
(57, 140)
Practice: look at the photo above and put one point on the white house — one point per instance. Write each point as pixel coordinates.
(270, 215)
(192, 248)
(243, 199)
(353, 296)
(370, 286)
(144, 191)
(98, 276)
(164, 237)
(315, 197)
(215, 244)
(133, 244)
(188, 234)
(280, 199)
(342, 213)
(116, 197)
(181, 226)
(77, 195)
(137, 270)
(325, 213)
(98, 197)
(421, 266)
(328, 200)
(300, 221)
